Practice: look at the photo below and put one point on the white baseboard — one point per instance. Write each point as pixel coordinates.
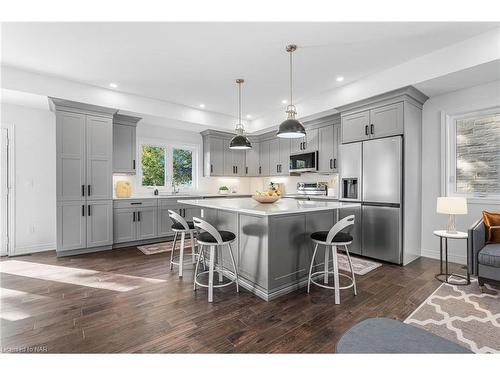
(434, 254)
(25, 250)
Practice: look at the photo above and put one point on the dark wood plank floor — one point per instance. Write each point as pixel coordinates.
(124, 301)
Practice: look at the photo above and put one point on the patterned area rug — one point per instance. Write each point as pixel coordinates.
(462, 314)
(163, 247)
(361, 266)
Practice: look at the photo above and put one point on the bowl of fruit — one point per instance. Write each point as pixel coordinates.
(269, 196)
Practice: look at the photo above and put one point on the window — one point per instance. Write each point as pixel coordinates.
(473, 153)
(153, 165)
(164, 166)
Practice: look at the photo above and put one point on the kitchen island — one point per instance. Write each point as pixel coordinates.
(272, 249)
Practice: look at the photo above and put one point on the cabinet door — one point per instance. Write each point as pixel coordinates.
(386, 121)
(284, 160)
(239, 162)
(70, 150)
(99, 157)
(190, 212)
(311, 141)
(326, 146)
(146, 223)
(164, 221)
(336, 143)
(99, 223)
(252, 160)
(124, 225)
(216, 156)
(274, 157)
(71, 223)
(229, 167)
(124, 148)
(354, 127)
(264, 158)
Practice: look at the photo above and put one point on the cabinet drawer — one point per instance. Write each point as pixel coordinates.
(135, 203)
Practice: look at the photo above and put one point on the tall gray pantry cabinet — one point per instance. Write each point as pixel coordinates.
(84, 169)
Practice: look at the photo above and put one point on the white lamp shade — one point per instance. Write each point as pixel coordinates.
(451, 205)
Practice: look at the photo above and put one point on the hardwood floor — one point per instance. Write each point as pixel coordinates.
(125, 301)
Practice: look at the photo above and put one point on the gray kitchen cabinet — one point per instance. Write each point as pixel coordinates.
(377, 122)
(213, 156)
(328, 149)
(285, 145)
(190, 212)
(386, 121)
(71, 225)
(355, 127)
(99, 223)
(164, 222)
(252, 161)
(234, 160)
(279, 157)
(124, 143)
(70, 150)
(146, 220)
(265, 158)
(124, 225)
(309, 143)
(99, 140)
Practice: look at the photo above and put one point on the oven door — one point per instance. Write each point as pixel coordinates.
(304, 162)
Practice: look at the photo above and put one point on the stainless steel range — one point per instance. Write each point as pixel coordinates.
(312, 188)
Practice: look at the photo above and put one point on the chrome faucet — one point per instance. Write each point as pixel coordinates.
(175, 187)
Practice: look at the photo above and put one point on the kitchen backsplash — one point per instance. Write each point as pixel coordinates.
(244, 185)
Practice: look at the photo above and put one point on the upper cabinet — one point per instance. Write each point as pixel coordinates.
(309, 143)
(252, 160)
(265, 150)
(380, 116)
(328, 148)
(124, 143)
(213, 155)
(234, 160)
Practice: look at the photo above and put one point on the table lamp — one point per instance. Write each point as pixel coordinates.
(451, 206)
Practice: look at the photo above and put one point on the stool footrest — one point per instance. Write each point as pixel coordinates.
(322, 273)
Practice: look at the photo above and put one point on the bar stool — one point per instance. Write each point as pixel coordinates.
(214, 239)
(331, 239)
(180, 225)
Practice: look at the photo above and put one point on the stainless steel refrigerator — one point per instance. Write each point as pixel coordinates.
(381, 199)
(371, 173)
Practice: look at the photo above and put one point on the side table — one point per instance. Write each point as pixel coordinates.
(443, 237)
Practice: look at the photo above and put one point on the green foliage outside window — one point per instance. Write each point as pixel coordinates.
(153, 166)
(183, 166)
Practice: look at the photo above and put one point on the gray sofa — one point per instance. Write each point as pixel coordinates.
(484, 259)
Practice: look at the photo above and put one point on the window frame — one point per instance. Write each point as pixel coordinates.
(449, 155)
(169, 150)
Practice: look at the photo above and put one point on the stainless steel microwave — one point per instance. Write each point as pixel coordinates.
(304, 162)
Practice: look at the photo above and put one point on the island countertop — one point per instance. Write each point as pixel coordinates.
(283, 206)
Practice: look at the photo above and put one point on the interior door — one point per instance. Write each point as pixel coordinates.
(4, 192)
(382, 164)
(99, 157)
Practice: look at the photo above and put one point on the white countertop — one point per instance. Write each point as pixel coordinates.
(281, 207)
(182, 196)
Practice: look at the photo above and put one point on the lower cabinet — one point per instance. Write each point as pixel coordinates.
(134, 224)
(84, 224)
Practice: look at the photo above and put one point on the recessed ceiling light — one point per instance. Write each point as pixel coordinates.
(249, 116)
(340, 79)
(284, 101)
(202, 105)
(113, 85)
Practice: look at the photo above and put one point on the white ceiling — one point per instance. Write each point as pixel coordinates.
(193, 63)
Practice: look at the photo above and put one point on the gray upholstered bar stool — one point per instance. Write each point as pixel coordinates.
(331, 240)
(215, 240)
(180, 225)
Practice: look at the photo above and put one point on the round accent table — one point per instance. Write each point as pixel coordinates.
(443, 237)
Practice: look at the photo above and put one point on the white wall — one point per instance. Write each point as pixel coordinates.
(35, 177)
(470, 99)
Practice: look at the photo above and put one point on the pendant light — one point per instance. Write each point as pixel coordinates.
(291, 128)
(239, 141)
